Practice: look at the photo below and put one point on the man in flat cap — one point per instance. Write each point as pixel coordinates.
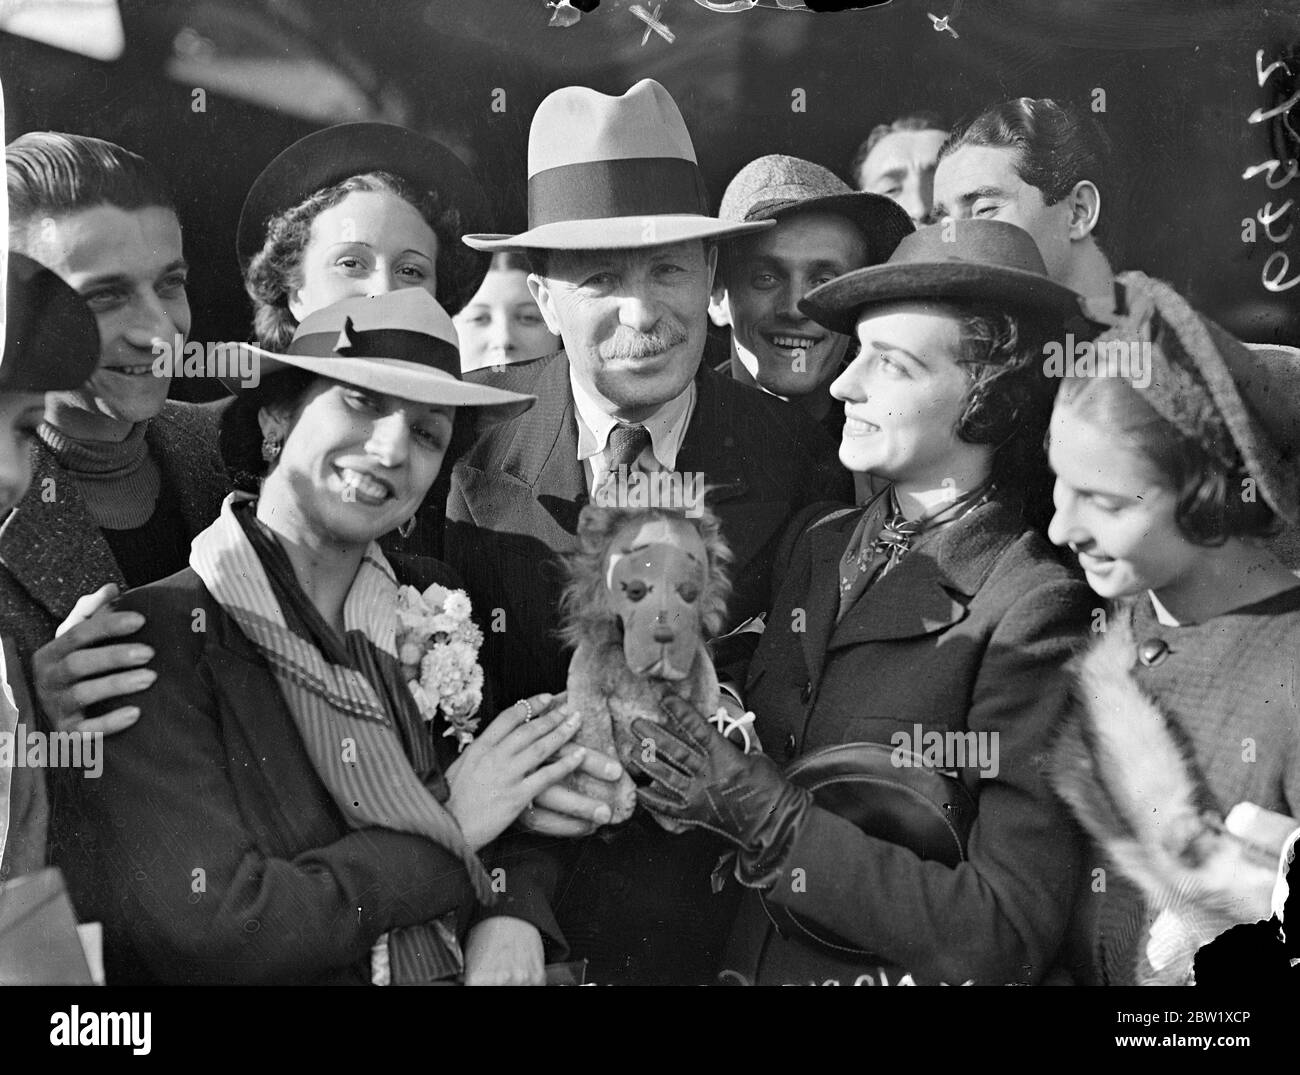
(622, 247)
(823, 230)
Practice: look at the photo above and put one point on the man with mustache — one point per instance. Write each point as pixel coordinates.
(621, 243)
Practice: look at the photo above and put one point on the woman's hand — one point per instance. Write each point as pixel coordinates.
(700, 778)
(504, 951)
(561, 811)
(501, 772)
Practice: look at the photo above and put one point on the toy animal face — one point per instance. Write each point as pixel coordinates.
(655, 574)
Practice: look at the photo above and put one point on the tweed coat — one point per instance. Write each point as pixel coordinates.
(1229, 689)
(636, 902)
(969, 632)
(52, 552)
(214, 777)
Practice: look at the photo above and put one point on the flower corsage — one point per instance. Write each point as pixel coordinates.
(437, 645)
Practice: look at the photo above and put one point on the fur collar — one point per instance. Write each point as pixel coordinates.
(1130, 777)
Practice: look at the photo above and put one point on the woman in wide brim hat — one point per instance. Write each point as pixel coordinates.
(936, 608)
(1177, 456)
(356, 209)
(282, 752)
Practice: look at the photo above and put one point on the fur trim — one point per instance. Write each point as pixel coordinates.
(1131, 779)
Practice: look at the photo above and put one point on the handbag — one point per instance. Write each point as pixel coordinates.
(886, 792)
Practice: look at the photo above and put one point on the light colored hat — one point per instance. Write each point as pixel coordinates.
(612, 172)
(777, 185)
(400, 344)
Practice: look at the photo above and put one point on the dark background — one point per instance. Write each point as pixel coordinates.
(1178, 77)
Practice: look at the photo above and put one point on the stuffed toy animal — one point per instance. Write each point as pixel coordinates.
(646, 589)
(1130, 779)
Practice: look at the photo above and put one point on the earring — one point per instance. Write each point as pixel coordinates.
(404, 531)
(271, 445)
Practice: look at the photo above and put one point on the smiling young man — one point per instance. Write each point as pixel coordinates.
(122, 479)
(1039, 165)
(623, 252)
(823, 230)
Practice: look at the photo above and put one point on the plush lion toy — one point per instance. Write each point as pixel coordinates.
(646, 589)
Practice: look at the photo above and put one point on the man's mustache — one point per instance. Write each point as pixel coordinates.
(628, 344)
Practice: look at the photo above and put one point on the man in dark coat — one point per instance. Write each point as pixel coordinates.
(621, 243)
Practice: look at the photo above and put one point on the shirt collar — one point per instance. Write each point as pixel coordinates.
(667, 426)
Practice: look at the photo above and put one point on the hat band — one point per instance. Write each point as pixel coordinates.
(597, 190)
(400, 344)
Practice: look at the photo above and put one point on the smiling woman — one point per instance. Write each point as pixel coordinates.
(235, 769)
(362, 209)
(1164, 487)
(357, 209)
(936, 607)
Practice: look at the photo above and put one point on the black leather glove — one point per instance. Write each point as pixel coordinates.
(702, 779)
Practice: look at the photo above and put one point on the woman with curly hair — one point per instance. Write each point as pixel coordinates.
(363, 209)
(934, 621)
(357, 209)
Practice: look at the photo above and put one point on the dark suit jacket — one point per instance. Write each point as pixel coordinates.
(969, 632)
(209, 847)
(639, 906)
(51, 550)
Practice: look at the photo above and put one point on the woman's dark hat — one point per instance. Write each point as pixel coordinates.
(399, 344)
(1234, 400)
(51, 339)
(334, 154)
(778, 185)
(988, 262)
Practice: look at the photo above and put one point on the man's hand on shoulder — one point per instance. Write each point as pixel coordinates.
(77, 670)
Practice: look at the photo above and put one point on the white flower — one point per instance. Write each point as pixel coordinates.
(436, 596)
(457, 605)
(439, 643)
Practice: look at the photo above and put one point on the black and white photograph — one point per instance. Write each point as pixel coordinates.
(670, 494)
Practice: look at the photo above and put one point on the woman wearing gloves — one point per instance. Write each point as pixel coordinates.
(938, 607)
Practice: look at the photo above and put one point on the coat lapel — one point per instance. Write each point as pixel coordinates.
(827, 543)
(929, 590)
(542, 456)
(51, 545)
(242, 680)
(183, 438)
(710, 444)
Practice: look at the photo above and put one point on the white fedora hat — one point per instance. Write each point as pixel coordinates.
(612, 172)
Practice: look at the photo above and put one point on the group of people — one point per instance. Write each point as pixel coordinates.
(931, 530)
